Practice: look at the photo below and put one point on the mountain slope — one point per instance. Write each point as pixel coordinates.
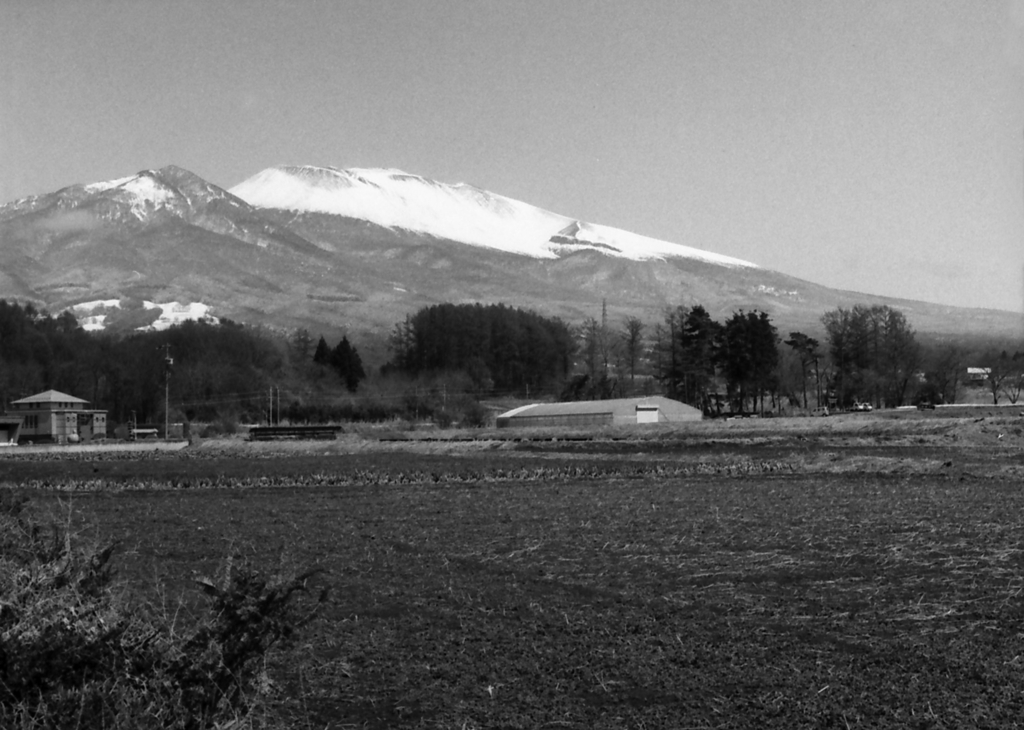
(414, 230)
(358, 250)
(144, 201)
(395, 199)
(161, 235)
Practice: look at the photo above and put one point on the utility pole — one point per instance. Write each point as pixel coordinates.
(270, 402)
(168, 362)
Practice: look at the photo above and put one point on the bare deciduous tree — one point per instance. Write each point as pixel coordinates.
(632, 337)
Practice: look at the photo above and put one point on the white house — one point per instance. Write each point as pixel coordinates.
(977, 375)
(55, 416)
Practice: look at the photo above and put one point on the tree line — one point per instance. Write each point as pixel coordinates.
(205, 371)
(498, 347)
(445, 358)
(688, 356)
(861, 354)
(501, 348)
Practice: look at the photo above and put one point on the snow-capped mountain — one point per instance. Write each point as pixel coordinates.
(460, 212)
(359, 250)
(167, 237)
(148, 197)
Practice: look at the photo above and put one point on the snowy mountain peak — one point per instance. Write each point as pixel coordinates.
(143, 193)
(148, 190)
(149, 199)
(396, 199)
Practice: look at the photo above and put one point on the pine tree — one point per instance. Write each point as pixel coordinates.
(301, 344)
(345, 359)
(322, 356)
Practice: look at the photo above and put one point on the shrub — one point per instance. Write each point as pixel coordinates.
(476, 415)
(223, 427)
(443, 419)
(77, 651)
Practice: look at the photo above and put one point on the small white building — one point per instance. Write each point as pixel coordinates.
(977, 375)
(55, 416)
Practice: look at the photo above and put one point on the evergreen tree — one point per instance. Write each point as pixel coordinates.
(700, 341)
(749, 355)
(345, 359)
(322, 356)
(495, 345)
(806, 349)
(301, 344)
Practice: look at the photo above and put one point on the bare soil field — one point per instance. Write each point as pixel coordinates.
(859, 571)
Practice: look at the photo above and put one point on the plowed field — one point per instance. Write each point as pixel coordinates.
(748, 576)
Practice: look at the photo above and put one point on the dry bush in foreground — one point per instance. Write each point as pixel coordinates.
(77, 652)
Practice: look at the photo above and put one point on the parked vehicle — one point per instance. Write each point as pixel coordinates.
(819, 411)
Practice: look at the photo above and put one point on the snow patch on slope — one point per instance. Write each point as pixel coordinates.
(142, 192)
(87, 307)
(92, 316)
(633, 245)
(87, 317)
(99, 187)
(173, 313)
(93, 323)
(395, 199)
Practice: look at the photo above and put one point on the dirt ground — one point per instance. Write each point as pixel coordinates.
(865, 570)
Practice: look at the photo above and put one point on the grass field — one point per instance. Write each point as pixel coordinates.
(833, 573)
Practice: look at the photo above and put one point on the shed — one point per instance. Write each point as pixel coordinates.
(616, 412)
(10, 426)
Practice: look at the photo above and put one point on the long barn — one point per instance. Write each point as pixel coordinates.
(616, 412)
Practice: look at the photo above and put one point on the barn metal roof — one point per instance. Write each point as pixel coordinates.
(616, 406)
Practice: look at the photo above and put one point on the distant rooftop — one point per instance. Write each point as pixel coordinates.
(49, 396)
(618, 410)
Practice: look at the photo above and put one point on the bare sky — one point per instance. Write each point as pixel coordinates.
(871, 146)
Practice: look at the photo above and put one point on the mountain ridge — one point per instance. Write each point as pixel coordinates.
(168, 235)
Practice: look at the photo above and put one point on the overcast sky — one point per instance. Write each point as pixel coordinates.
(871, 146)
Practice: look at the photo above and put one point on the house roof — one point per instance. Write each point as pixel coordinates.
(49, 396)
